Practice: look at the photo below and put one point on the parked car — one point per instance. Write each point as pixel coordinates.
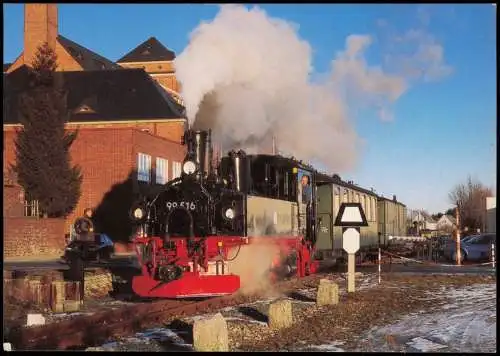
(473, 248)
(99, 251)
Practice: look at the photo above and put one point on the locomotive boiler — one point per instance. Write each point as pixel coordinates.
(190, 231)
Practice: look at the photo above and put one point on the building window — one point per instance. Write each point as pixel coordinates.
(143, 167)
(346, 197)
(176, 169)
(161, 170)
(31, 208)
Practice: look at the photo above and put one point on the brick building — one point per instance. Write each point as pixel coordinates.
(129, 116)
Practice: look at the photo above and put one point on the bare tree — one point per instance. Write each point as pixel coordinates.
(470, 198)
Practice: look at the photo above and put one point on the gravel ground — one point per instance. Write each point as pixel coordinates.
(355, 324)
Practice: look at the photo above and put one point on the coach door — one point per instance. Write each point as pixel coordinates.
(325, 218)
(305, 202)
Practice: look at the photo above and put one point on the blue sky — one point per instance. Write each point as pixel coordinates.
(441, 131)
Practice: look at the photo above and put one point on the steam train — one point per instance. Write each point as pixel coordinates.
(191, 231)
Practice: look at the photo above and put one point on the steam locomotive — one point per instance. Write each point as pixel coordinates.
(191, 231)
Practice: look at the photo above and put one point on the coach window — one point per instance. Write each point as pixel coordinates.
(363, 203)
(267, 178)
(337, 200)
(277, 183)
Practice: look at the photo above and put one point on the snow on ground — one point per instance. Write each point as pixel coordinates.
(331, 347)
(165, 339)
(466, 323)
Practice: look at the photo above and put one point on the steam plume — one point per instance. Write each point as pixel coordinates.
(246, 76)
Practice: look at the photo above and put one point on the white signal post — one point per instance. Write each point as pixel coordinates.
(351, 217)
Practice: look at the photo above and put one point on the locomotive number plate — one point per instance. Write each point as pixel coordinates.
(182, 204)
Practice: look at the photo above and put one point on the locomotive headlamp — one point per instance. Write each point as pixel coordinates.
(229, 213)
(189, 167)
(138, 213)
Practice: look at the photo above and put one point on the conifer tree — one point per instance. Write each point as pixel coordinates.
(43, 162)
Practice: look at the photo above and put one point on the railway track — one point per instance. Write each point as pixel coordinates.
(93, 330)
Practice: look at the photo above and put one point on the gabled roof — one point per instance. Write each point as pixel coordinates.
(148, 51)
(85, 57)
(422, 215)
(450, 218)
(126, 94)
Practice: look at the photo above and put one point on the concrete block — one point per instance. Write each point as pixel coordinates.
(35, 319)
(211, 334)
(35, 290)
(280, 314)
(71, 306)
(328, 293)
(57, 296)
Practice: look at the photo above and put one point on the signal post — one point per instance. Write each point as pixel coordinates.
(351, 218)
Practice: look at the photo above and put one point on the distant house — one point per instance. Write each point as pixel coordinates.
(446, 223)
(424, 221)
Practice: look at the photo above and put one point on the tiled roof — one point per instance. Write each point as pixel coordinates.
(148, 51)
(85, 57)
(104, 95)
(6, 66)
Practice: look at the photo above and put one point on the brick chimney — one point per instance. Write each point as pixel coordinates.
(40, 25)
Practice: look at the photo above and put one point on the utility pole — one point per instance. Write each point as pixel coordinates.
(274, 145)
(459, 252)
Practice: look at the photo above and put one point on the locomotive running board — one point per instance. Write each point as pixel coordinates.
(189, 286)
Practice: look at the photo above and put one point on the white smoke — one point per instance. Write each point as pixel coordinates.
(246, 76)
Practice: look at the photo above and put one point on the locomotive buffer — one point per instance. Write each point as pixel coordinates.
(351, 217)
